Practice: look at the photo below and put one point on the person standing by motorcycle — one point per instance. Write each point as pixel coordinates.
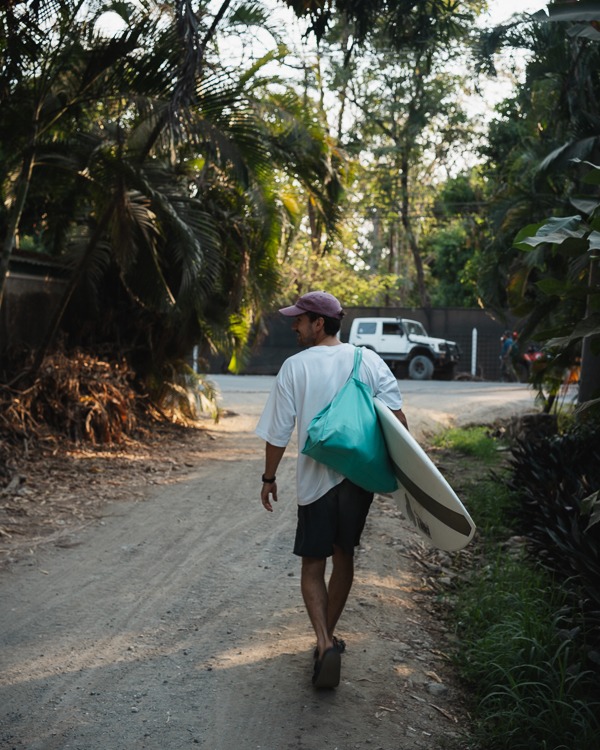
(507, 368)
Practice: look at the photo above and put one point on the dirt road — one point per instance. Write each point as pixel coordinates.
(176, 621)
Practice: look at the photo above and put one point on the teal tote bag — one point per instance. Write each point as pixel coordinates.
(346, 436)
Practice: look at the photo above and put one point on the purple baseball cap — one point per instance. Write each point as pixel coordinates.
(321, 303)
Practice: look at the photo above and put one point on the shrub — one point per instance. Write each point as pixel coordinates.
(528, 633)
(519, 664)
(552, 479)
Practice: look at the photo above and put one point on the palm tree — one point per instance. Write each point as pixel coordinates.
(166, 200)
(49, 73)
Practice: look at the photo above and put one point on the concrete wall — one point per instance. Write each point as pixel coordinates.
(29, 303)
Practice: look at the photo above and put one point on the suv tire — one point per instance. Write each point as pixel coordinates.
(420, 368)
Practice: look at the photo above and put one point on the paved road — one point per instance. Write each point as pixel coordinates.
(429, 405)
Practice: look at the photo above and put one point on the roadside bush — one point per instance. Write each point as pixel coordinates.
(526, 632)
(519, 668)
(555, 481)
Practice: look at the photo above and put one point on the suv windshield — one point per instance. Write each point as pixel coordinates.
(414, 328)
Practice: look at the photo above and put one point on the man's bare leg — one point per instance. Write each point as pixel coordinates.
(314, 593)
(340, 583)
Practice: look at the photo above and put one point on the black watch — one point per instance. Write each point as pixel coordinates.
(268, 480)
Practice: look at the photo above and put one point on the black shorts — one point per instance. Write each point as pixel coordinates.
(338, 517)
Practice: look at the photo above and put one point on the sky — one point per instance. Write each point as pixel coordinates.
(494, 90)
(501, 10)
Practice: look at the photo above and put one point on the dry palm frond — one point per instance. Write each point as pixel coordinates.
(76, 396)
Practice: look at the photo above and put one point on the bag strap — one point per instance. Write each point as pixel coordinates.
(357, 361)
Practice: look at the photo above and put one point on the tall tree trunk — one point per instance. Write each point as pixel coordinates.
(343, 95)
(589, 379)
(393, 257)
(393, 245)
(410, 235)
(315, 228)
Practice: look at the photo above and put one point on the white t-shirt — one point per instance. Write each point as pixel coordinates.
(305, 384)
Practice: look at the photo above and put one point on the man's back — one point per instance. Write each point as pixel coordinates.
(306, 384)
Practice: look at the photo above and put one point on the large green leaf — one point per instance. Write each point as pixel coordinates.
(574, 151)
(589, 326)
(526, 232)
(556, 231)
(584, 204)
(594, 241)
(592, 176)
(584, 10)
(555, 287)
(590, 505)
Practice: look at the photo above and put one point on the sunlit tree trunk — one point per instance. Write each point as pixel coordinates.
(410, 235)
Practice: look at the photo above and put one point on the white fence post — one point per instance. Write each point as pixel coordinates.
(474, 352)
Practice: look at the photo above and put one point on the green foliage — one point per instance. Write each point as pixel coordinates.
(153, 171)
(454, 243)
(472, 441)
(491, 502)
(336, 274)
(554, 480)
(179, 184)
(556, 286)
(527, 645)
(399, 118)
(489, 499)
(552, 107)
(409, 22)
(452, 251)
(529, 690)
(551, 125)
(553, 271)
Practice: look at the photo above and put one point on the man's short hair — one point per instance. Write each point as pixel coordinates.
(331, 326)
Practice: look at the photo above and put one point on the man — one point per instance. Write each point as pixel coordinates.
(507, 368)
(331, 510)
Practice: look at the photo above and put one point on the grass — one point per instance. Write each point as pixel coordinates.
(529, 688)
(472, 441)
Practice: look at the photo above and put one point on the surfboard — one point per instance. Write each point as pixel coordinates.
(425, 497)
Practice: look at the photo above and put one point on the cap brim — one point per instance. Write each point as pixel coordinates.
(292, 311)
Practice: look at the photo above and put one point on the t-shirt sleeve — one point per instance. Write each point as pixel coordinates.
(383, 383)
(278, 419)
(390, 394)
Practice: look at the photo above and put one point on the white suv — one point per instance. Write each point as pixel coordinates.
(405, 345)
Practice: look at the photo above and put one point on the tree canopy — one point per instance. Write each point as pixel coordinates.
(196, 163)
(543, 158)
